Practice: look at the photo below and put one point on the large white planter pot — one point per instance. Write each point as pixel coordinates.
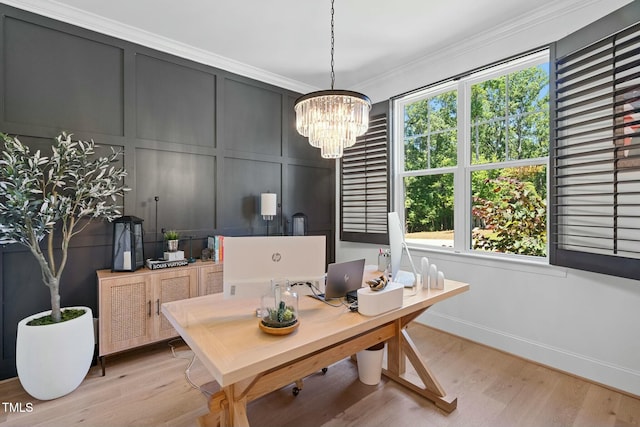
(52, 360)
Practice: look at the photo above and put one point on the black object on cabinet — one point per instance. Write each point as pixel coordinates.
(299, 224)
(128, 249)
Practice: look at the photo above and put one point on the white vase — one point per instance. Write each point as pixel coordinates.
(52, 360)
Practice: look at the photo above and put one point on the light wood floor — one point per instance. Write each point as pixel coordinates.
(149, 388)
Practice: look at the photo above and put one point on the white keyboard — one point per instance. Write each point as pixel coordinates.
(406, 278)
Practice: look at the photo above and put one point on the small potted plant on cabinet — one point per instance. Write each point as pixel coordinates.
(172, 238)
(41, 196)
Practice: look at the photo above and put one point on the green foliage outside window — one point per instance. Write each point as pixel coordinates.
(513, 220)
(509, 121)
(510, 117)
(430, 132)
(433, 210)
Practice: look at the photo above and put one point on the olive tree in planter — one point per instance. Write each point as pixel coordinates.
(39, 197)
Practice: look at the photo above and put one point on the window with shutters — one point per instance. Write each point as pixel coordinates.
(595, 186)
(364, 193)
(471, 157)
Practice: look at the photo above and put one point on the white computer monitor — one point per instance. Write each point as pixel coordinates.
(251, 263)
(396, 247)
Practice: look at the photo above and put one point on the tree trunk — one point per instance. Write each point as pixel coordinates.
(55, 299)
(49, 279)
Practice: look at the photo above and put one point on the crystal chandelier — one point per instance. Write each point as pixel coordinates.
(332, 119)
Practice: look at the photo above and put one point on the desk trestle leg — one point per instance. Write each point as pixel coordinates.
(432, 389)
(226, 409)
(217, 407)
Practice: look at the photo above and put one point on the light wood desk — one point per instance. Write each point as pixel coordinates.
(247, 363)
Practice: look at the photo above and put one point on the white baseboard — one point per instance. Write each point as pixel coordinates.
(598, 371)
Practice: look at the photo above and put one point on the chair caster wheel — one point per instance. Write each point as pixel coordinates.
(324, 370)
(295, 391)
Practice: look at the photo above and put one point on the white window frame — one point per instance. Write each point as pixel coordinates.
(463, 169)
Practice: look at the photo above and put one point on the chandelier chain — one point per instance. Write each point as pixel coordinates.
(333, 74)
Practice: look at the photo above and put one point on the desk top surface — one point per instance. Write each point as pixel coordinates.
(225, 336)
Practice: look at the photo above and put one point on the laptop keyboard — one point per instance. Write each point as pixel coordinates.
(350, 297)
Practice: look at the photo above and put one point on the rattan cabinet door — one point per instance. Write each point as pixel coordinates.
(125, 313)
(210, 280)
(171, 286)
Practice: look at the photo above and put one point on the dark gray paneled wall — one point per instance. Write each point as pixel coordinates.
(174, 103)
(55, 79)
(204, 141)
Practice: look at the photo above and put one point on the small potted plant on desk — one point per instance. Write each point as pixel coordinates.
(39, 197)
(279, 312)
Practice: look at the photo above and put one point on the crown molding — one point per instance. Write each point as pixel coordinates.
(71, 15)
(380, 87)
(536, 19)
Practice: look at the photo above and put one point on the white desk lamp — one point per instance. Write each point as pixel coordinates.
(268, 207)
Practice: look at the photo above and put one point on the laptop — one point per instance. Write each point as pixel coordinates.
(343, 280)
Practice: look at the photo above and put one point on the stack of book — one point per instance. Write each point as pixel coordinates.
(157, 264)
(216, 246)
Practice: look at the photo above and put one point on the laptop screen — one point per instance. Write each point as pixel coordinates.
(343, 277)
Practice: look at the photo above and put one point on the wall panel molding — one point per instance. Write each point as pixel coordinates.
(81, 80)
(174, 103)
(205, 141)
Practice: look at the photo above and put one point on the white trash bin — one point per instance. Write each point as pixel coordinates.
(370, 364)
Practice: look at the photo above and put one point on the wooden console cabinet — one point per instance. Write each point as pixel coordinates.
(129, 303)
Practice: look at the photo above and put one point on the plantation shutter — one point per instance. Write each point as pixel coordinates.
(364, 192)
(595, 155)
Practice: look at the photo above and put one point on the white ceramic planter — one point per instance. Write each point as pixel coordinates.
(52, 360)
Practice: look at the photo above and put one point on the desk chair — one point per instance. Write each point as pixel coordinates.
(299, 383)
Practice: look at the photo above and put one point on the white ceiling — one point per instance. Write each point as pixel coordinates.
(287, 42)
